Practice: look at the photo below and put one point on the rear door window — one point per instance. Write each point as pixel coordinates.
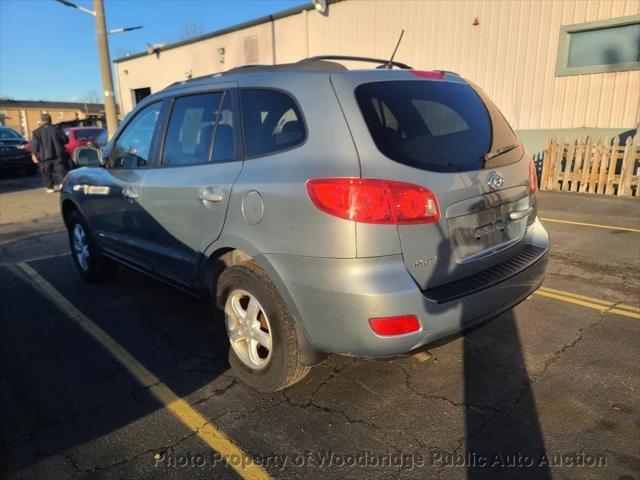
(437, 126)
(272, 121)
(191, 128)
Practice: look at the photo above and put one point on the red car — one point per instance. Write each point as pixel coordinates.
(81, 136)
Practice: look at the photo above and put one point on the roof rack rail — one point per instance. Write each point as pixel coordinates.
(307, 64)
(319, 63)
(383, 62)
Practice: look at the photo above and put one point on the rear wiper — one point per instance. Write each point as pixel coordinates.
(499, 151)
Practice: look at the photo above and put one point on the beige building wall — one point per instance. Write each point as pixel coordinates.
(26, 120)
(510, 53)
(11, 118)
(196, 59)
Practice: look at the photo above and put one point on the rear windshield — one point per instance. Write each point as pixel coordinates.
(87, 133)
(9, 134)
(437, 126)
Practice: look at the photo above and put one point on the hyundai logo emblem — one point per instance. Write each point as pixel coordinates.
(495, 181)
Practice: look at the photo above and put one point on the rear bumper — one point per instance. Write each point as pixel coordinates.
(334, 298)
(21, 161)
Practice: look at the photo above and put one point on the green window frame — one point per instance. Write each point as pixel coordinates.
(563, 67)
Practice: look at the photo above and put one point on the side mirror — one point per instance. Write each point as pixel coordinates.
(88, 157)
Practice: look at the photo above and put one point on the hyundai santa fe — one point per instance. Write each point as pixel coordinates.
(323, 210)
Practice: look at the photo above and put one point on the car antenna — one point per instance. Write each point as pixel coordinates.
(389, 64)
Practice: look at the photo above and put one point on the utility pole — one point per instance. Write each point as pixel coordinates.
(105, 68)
(105, 60)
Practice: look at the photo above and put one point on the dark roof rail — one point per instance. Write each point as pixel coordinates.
(383, 62)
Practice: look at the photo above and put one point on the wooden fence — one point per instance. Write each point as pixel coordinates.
(583, 165)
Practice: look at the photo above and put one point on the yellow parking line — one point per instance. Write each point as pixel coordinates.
(593, 303)
(595, 225)
(237, 459)
(591, 299)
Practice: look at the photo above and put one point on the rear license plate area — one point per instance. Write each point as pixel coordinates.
(481, 233)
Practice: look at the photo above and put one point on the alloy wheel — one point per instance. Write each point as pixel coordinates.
(80, 247)
(248, 329)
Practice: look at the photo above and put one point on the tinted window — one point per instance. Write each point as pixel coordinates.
(9, 134)
(272, 121)
(432, 125)
(191, 129)
(87, 133)
(133, 146)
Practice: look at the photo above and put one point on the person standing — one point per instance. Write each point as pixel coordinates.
(47, 147)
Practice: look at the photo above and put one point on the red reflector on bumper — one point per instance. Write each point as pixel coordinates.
(395, 325)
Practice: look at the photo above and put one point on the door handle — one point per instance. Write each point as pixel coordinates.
(129, 192)
(520, 214)
(208, 195)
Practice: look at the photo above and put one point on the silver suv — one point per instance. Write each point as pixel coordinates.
(364, 212)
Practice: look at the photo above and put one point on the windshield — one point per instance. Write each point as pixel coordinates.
(437, 126)
(9, 134)
(87, 133)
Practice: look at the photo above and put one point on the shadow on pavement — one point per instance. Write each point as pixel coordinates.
(71, 399)
(62, 392)
(18, 181)
(509, 443)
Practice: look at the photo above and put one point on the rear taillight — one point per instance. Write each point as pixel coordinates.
(374, 201)
(400, 325)
(533, 177)
(25, 146)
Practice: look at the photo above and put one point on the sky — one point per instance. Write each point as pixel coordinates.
(48, 51)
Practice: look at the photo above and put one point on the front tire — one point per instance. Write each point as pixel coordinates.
(91, 265)
(264, 349)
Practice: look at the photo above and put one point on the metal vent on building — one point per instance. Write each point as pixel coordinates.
(251, 49)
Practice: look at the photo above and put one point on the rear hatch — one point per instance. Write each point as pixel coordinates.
(86, 136)
(438, 131)
(9, 149)
(11, 145)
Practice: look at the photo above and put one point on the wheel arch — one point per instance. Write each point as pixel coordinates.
(67, 208)
(225, 256)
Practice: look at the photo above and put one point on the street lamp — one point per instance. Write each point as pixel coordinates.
(105, 60)
(79, 7)
(126, 29)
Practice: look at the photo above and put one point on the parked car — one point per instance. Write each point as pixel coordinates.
(368, 213)
(15, 152)
(80, 137)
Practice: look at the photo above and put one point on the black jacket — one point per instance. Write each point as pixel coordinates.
(48, 143)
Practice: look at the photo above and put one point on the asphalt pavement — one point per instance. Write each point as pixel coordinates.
(546, 390)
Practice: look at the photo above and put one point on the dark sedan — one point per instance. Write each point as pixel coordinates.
(15, 152)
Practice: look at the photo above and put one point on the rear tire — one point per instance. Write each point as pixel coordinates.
(91, 265)
(255, 315)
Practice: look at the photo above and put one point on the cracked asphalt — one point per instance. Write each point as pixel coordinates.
(549, 389)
